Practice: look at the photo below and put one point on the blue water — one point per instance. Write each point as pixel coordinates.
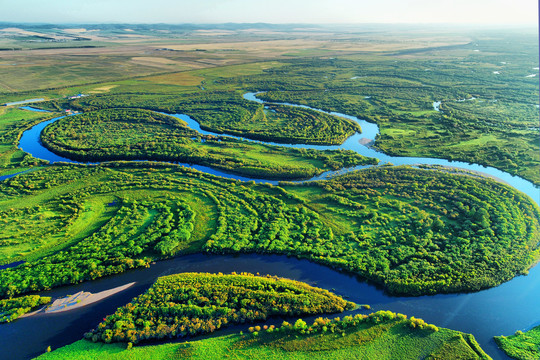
(11, 265)
(30, 143)
(4, 177)
(33, 109)
(498, 311)
(370, 131)
(501, 310)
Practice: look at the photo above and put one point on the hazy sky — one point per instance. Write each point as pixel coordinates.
(271, 11)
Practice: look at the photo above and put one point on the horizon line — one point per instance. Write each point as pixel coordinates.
(274, 24)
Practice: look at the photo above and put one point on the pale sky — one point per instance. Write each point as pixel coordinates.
(271, 11)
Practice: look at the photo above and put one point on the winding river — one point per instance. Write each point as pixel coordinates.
(30, 142)
(501, 310)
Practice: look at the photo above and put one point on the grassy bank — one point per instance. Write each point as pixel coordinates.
(521, 345)
(383, 335)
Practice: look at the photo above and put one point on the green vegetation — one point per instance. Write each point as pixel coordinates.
(485, 118)
(521, 345)
(12, 123)
(117, 245)
(128, 134)
(11, 309)
(489, 115)
(382, 335)
(416, 232)
(227, 111)
(496, 125)
(413, 231)
(195, 303)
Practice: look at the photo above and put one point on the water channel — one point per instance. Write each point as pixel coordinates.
(498, 311)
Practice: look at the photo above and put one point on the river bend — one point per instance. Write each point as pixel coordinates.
(501, 310)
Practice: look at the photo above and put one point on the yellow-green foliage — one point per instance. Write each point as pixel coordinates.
(195, 303)
(521, 345)
(383, 335)
(11, 309)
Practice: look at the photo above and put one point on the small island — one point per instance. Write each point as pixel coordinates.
(189, 304)
(135, 134)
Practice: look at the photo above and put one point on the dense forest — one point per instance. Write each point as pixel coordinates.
(227, 111)
(413, 231)
(197, 303)
(134, 134)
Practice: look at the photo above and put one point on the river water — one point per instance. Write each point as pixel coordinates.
(501, 310)
(30, 143)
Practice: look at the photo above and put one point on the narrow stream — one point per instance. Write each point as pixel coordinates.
(501, 310)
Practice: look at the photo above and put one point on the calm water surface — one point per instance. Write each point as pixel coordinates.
(502, 310)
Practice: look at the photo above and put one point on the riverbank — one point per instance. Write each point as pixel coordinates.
(484, 314)
(461, 306)
(30, 142)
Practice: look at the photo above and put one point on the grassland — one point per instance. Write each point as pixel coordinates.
(398, 96)
(411, 231)
(383, 335)
(521, 345)
(96, 53)
(489, 108)
(12, 123)
(400, 227)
